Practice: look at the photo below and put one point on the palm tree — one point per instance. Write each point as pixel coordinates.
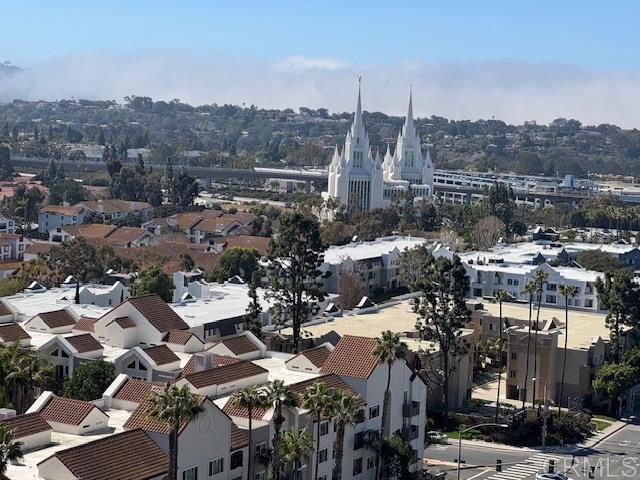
(540, 279)
(318, 399)
(500, 296)
(249, 398)
(25, 373)
(295, 448)
(10, 451)
(529, 288)
(176, 406)
(388, 349)
(568, 292)
(278, 396)
(346, 412)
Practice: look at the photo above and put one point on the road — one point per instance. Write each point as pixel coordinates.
(616, 457)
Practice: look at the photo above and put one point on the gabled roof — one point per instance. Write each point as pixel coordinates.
(214, 360)
(85, 324)
(57, 318)
(239, 344)
(12, 332)
(84, 343)
(123, 322)
(224, 374)
(4, 310)
(232, 409)
(158, 313)
(115, 205)
(140, 419)
(61, 209)
(129, 455)
(352, 357)
(125, 235)
(135, 390)
(26, 425)
(179, 337)
(317, 355)
(161, 354)
(330, 380)
(239, 438)
(89, 230)
(261, 244)
(66, 410)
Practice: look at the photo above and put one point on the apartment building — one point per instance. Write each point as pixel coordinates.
(7, 224)
(12, 246)
(113, 209)
(51, 217)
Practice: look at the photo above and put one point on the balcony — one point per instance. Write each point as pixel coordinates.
(409, 433)
(411, 409)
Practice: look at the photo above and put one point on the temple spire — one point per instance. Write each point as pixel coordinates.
(358, 116)
(409, 120)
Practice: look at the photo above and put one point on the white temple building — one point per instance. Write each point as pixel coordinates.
(363, 181)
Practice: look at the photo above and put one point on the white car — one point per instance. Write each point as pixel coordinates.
(551, 476)
(437, 437)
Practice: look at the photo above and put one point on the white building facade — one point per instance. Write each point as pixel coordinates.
(362, 181)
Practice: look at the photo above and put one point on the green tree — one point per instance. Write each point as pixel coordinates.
(530, 289)
(318, 400)
(613, 380)
(11, 286)
(25, 373)
(185, 189)
(500, 296)
(294, 276)
(279, 396)
(346, 411)
(66, 190)
(249, 398)
(499, 201)
(252, 321)
(239, 261)
(567, 292)
(540, 278)
(77, 258)
(10, 451)
(295, 448)
(6, 169)
(620, 295)
(397, 459)
(89, 380)
(186, 262)
(153, 280)
(599, 261)
(388, 349)
(176, 407)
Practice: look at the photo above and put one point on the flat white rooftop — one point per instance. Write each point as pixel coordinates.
(376, 248)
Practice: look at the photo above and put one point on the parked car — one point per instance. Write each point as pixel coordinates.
(437, 438)
(551, 476)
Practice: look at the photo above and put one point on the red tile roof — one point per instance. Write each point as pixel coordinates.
(25, 425)
(57, 318)
(129, 455)
(124, 322)
(261, 244)
(239, 438)
(4, 310)
(215, 361)
(158, 313)
(239, 344)
(161, 354)
(352, 357)
(61, 209)
(84, 343)
(134, 390)
(140, 419)
(115, 205)
(179, 337)
(12, 332)
(89, 230)
(232, 409)
(224, 374)
(317, 355)
(125, 235)
(85, 324)
(66, 410)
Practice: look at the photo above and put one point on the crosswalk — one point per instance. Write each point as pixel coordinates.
(536, 464)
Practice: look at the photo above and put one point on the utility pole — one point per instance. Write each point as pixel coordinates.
(545, 416)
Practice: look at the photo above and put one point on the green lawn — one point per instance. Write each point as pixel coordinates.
(603, 421)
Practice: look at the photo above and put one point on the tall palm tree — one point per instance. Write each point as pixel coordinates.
(500, 296)
(10, 451)
(279, 396)
(318, 399)
(346, 411)
(529, 288)
(568, 292)
(295, 448)
(388, 349)
(539, 279)
(26, 372)
(176, 407)
(249, 398)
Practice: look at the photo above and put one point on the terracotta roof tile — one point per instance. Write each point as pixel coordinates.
(214, 360)
(89, 230)
(25, 425)
(239, 437)
(352, 357)
(124, 322)
(85, 324)
(140, 419)
(12, 332)
(129, 455)
(158, 313)
(84, 343)
(125, 235)
(179, 337)
(66, 410)
(224, 374)
(134, 390)
(61, 209)
(57, 318)
(4, 310)
(115, 205)
(161, 354)
(261, 244)
(239, 344)
(317, 355)
(232, 409)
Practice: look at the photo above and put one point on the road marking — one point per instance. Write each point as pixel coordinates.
(477, 475)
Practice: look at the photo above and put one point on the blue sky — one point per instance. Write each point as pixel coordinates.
(514, 60)
(589, 33)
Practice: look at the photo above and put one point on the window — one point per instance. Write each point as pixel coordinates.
(324, 428)
(550, 299)
(357, 158)
(323, 456)
(190, 474)
(216, 466)
(374, 411)
(371, 462)
(588, 303)
(357, 466)
(509, 281)
(552, 287)
(513, 355)
(512, 374)
(261, 448)
(236, 459)
(516, 282)
(132, 365)
(491, 326)
(409, 161)
(358, 440)
(142, 367)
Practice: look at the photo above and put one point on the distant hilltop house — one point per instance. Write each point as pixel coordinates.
(51, 217)
(361, 180)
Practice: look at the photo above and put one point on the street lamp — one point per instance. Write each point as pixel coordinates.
(460, 432)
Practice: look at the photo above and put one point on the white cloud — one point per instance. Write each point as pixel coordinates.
(510, 90)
